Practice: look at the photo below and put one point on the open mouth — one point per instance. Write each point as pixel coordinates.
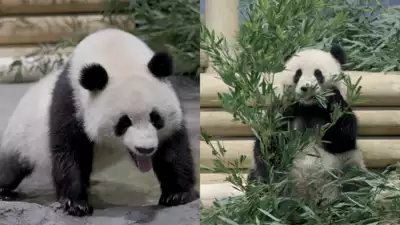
(144, 163)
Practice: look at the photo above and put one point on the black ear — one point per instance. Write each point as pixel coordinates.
(338, 53)
(161, 64)
(93, 77)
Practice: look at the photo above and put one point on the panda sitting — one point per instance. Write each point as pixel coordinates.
(309, 72)
(111, 96)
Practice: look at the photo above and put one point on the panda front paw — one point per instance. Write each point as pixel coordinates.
(74, 208)
(181, 198)
(7, 195)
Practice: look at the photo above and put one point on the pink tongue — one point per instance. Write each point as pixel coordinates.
(144, 163)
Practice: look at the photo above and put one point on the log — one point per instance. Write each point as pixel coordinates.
(51, 29)
(377, 89)
(378, 153)
(9, 52)
(371, 122)
(214, 178)
(15, 7)
(210, 192)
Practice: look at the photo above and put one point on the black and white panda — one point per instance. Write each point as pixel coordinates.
(111, 96)
(308, 72)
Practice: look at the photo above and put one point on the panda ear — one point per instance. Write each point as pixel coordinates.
(338, 53)
(93, 77)
(161, 65)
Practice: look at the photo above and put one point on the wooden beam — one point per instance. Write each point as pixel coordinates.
(378, 153)
(371, 122)
(51, 29)
(378, 89)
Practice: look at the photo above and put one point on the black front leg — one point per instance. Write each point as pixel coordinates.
(337, 98)
(72, 166)
(71, 150)
(174, 168)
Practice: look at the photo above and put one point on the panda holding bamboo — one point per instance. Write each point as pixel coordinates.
(309, 72)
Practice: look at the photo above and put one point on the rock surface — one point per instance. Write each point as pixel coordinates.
(117, 198)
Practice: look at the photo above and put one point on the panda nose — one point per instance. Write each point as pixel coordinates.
(304, 88)
(144, 151)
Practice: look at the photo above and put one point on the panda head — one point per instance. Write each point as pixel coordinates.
(311, 71)
(122, 95)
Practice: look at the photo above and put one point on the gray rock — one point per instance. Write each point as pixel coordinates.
(117, 198)
(22, 213)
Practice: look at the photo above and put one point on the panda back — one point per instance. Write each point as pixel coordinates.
(27, 129)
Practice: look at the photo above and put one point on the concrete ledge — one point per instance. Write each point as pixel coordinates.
(378, 89)
(378, 153)
(371, 122)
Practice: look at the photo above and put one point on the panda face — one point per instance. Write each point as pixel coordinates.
(122, 93)
(312, 71)
(139, 135)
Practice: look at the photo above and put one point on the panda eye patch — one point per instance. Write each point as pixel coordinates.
(297, 76)
(156, 120)
(122, 126)
(319, 76)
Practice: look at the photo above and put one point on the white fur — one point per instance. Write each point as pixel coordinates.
(131, 90)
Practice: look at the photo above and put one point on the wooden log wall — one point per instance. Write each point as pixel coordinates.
(36, 26)
(26, 23)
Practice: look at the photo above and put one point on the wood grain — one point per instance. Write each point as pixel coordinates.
(378, 89)
(51, 29)
(371, 122)
(378, 153)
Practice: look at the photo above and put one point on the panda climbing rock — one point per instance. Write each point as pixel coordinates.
(112, 95)
(309, 72)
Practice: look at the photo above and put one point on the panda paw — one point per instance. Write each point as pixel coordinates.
(6, 195)
(74, 208)
(181, 198)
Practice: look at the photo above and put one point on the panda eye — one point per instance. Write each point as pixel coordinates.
(297, 76)
(319, 76)
(156, 120)
(122, 126)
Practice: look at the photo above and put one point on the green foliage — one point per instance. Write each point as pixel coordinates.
(272, 31)
(173, 25)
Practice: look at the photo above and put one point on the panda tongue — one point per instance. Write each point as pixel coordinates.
(144, 163)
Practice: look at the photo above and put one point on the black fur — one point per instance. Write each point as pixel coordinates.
(13, 169)
(71, 150)
(174, 168)
(339, 138)
(122, 125)
(93, 77)
(161, 65)
(338, 53)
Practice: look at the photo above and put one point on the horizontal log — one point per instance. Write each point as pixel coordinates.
(371, 122)
(15, 7)
(8, 53)
(378, 89)
(214, 178)
(29, 69)
(210, 192)
(378, 153)
(51, 29)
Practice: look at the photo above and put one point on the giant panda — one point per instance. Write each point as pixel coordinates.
(112, 95)
(309, 72)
